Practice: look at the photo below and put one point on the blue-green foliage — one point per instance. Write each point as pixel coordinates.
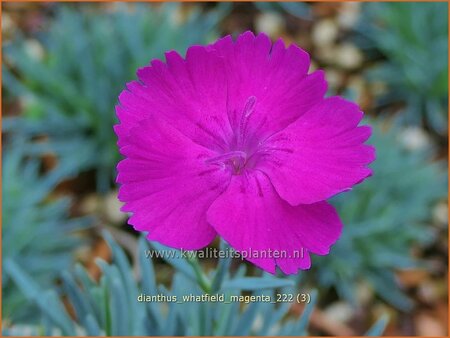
(414, 39)
(36, 230)
(383, 219)
(110, 306)
(378, 328)
(70, 94)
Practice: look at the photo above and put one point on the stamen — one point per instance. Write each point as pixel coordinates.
(235, 160)
(249, 105)
(228, 156)
(247, 111)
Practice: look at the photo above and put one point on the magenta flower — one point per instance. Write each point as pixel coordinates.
(237, 139)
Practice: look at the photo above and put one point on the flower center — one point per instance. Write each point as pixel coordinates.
(234, 160)
(245, 158)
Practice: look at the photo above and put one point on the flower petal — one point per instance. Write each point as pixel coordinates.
(274, 75)
(252, 217)
(206, 94)
(167, 186)
(190, 94)
(319, 155)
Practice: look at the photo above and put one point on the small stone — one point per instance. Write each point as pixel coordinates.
(8, 26)
(414, 139)
(178, 16)
(440, 214)
(111, 208)
(348, 56)
(334, 78)
(430, 291)
(349, 14)
(324, 32)
(426, 325)
(364, 293)
(270, 23)
(340, 311)
(34, 49)
(89, 204)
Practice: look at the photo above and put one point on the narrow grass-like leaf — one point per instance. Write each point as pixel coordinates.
(378, 328)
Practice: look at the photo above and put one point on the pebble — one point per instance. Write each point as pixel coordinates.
(34, 49)
(348, 56)
(349, 14)
(440, 214)
(111, 208)
(414, 139)
(340, 311)
(325, 32)
(334, 78)
(270, 23)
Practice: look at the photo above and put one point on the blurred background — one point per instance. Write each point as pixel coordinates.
(72, 266)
